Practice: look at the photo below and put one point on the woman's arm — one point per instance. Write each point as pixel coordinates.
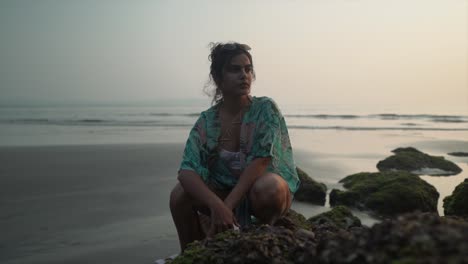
(195, 187)
(222, 217)
(255, 169)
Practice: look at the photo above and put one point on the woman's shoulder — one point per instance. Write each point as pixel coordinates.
(262, 100)
(264, 103)
(209, 113)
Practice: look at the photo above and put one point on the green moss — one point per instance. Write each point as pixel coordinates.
(458, 154)
(457, 203)
(194, 253)
(387, 193)
(340, 216)
(255, 244)
(229, 234)
(406, 260)
(410, 159)
(297, 219)
(348, 198)
(411, 238)
(310, 190)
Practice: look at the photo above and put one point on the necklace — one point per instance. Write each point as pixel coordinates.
(227, 134)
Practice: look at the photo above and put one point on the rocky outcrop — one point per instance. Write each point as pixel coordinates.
(310, 190)
(414, 238)
(256, 244)
(339, 216)
(414, 161)
(386, 193)
(290, 240)
(457, 203)
(458, 154)
(294, 221)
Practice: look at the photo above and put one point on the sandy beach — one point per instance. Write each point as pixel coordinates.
(109, 203)
(87, 204)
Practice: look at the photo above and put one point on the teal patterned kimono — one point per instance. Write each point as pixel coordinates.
(263, 134)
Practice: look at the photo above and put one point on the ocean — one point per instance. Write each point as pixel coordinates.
(75, 125)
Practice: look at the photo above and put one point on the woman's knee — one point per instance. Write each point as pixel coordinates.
(271, 191)
(178, 197)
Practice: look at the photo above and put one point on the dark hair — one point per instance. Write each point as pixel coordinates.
(220, 55)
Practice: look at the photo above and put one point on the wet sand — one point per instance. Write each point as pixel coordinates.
(87, 204)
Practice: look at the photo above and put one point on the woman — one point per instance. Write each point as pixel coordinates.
(238, 159)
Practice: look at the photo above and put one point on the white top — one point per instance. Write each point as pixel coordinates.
(232, 160)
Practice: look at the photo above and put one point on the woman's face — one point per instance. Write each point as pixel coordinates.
(237, 76)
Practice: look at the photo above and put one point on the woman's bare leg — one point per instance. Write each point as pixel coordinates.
(270, 198)
(189, 224)
(184, 214)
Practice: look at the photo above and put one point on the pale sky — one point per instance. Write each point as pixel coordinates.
(400, 52)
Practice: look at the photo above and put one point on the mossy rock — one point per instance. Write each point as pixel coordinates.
(293, 221)
(253, 244)
(198, 252)
(340, 216)
(260, 244)
(412, 238)
(346, 198)
(310, 190)
(194, 253)
(458, 154)
(457, 203)
(414, 161)
(386, 193)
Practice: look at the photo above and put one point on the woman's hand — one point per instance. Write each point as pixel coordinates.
(253, 171)
(222, 218)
